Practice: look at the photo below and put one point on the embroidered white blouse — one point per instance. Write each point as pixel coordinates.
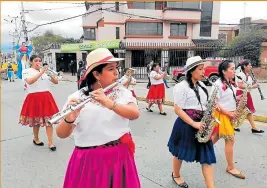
(124, 79)
(97, 125)
(246, 80)
(152, 80)
(42, 84)
(186, 98)
(225, 98)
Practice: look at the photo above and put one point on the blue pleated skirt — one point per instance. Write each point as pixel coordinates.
(184, 145)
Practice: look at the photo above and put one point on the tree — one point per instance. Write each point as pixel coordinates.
(247, 45)
(40, 42)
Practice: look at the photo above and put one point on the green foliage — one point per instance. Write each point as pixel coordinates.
(40, 42)
(247, 45)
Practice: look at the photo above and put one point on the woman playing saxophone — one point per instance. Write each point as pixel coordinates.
(190, 97)
(243, 80)
(227, 103)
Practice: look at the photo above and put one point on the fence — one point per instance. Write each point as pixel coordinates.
(138, 55)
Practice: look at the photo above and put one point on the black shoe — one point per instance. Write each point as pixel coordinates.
(38, 144)
(257, 131)
(53, 148)
(237, 129)
(184, 184)
(163, 113)
(149, 110)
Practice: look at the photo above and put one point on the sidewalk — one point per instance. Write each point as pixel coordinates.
(68, 77)
(257, 117)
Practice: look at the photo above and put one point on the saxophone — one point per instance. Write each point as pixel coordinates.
(208, 119)
(241, 109)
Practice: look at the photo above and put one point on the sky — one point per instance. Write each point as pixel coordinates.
(230, 13)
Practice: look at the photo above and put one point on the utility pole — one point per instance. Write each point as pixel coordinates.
(16, 33)
(24, 22)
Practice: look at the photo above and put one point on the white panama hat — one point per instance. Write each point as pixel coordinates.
(193, 62)
(98, 57)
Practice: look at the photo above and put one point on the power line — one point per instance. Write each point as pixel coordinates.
(69, 18)
(53, 8)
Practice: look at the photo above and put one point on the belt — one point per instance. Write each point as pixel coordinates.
(125, 139)
(109, 144)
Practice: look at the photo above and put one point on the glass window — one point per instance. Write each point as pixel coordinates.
(205, 28)
(178, 29)
(175, 4)
(206, 6)
(185, 5)
(206, 19)
(141, 28)
(89, 34)
(117, 33)
(117, 6)
(191, 5)
(206, 16)
(144, 5)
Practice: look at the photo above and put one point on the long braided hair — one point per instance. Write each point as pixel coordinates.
(191, 84)
(224, 65)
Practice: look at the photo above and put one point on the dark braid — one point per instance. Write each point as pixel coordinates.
(191, 85)
(223, 67)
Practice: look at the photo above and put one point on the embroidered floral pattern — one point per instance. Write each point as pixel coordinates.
(155, 101)
(35, 121)
(196, 115)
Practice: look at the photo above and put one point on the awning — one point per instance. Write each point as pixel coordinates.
(156, 45)
(215, 43)
(88, 46)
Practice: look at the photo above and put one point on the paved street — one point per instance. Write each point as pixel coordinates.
(25, 165)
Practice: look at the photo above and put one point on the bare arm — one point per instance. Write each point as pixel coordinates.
(183, 115)
(64, 129)
(54, 80)
(128, 111)
(241, 85)
(158, 77)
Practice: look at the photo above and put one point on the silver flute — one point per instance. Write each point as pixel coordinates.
(60, 115)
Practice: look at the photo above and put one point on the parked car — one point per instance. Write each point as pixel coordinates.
(211, 71)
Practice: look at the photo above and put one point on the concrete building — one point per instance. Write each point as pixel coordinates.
(154, 30)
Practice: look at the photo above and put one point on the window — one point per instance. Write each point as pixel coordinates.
(178, 29)
(206, 19)
(144, 5)
(89, 34)
(117, 6)
(183, 5)
(117, 33)
(141, 28)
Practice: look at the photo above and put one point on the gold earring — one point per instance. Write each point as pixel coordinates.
(99, 83)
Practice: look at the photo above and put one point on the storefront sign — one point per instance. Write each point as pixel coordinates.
(119, 51)
(110, 44)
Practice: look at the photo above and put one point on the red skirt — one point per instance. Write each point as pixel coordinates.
(37, 109)
(250, 104)
(156, 94)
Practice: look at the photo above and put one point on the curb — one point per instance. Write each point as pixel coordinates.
(258, 118)
(146, 81)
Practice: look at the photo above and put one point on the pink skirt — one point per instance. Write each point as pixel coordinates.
(156, 94)
(110, 167)
(250, 104)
